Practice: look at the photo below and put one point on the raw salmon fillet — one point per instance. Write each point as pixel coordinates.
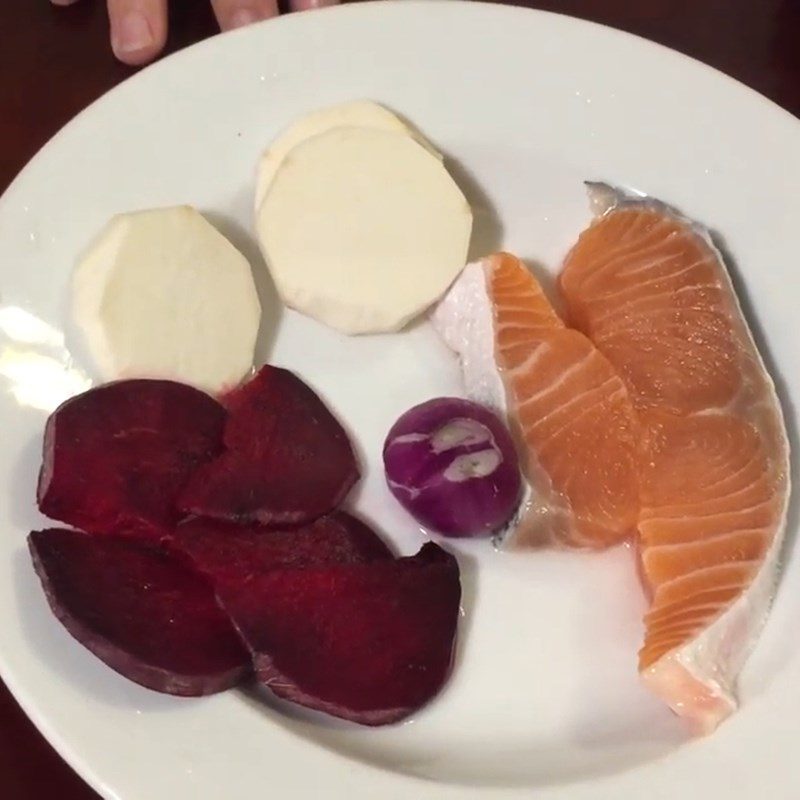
(566, 405)
(652, 292)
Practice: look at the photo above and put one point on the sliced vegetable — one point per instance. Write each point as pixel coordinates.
(363, 229)
(453, 466)
(369, 642)
(287, 460)
(232, 555)
(353, 114)
(139, 609)
(117, 456)
(163, 294)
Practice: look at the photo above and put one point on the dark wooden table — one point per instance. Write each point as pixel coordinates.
(53, 62)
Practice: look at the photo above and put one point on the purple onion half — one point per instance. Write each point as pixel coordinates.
(453, 466)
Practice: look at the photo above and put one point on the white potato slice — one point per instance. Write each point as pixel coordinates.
(162, 294)
(363, 229)
(356, 113)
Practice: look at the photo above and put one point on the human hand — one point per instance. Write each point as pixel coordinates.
(139, 27)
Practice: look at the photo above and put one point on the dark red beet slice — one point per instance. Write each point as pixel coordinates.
(117, 456)
(288, 461)
(141, 611)
(369, 643)
(231, 554)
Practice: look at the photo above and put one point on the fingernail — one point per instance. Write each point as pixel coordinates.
(242, 17)
(133, 33)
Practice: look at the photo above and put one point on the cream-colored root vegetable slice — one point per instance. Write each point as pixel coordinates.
(363, 229)
(162, 294)
(355, 114)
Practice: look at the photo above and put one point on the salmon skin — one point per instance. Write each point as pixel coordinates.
(651, 290)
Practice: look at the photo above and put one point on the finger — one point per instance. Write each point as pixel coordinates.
(237, 13)
(138, 29)
(63, 2)
(305, 5)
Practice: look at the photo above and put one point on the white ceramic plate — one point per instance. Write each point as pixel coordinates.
(526, 105)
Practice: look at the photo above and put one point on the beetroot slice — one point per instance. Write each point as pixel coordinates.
(231, 554)
(288, 461)
(369, 643)
(117, 456)
(141, 611)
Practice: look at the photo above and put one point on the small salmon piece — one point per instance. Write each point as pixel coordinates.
(565, 403)
(652, 292)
